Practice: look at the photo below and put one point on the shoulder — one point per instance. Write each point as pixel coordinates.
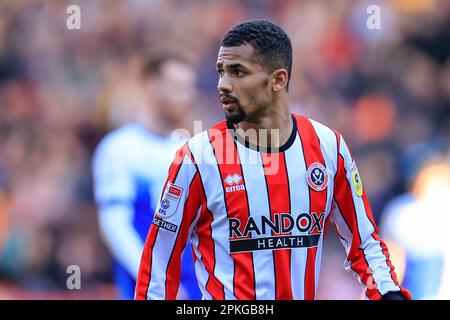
(204, 138)
(326, 135)
(199, 147)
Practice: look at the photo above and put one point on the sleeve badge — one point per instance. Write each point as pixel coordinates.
(169, 201)
(356, 180)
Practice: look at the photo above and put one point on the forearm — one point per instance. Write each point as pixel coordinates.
(375, 267)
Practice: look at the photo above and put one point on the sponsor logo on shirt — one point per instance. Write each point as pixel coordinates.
(233, 182)
(356, 180)
(165, 225)
(252, 235)
(317, 176)
(175, 191)
(169, 201)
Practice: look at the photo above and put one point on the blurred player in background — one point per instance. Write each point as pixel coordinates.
(130, 165)
(415, 225)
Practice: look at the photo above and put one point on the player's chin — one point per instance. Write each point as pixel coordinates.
(234, 113)
(234, 116)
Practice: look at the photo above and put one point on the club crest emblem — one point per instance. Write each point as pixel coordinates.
(317, 176)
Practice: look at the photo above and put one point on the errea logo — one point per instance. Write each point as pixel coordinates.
(232, 179)
(234, 182)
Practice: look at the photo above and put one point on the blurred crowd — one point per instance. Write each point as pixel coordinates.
(386, 90)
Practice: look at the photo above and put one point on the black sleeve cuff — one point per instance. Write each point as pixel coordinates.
(393, 295)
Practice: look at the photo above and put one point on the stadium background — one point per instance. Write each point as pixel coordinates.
(61, 91)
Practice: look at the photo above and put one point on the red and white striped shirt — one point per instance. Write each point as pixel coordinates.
(257, 220)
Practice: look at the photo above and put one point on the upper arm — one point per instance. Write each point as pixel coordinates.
(113, 180)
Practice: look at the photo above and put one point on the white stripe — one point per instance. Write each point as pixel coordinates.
(379, 266)
(255, 183)
(212, 182)
(299, 194)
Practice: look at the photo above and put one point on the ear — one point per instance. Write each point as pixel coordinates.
(279, 79)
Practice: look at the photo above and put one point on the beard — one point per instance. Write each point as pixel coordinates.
(240, 115)
(237, 115)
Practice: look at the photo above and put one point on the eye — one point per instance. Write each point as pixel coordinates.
(238, 73)
(220, 72)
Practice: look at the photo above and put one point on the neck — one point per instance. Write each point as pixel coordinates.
(272, 130)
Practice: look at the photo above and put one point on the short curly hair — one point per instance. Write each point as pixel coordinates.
(272, 46)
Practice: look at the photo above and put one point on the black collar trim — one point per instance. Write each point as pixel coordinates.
(258, 148)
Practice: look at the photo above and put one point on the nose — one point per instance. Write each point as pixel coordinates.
(224, 85)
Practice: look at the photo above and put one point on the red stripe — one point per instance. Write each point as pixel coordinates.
(406, 293)
(318, 199)
(236, 203)
(145, 267)
(385, 251)
(278, 191)
(327, 221)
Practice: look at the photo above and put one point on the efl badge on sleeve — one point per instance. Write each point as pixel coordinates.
(170, 200)
(356, 179)
(317, 176)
